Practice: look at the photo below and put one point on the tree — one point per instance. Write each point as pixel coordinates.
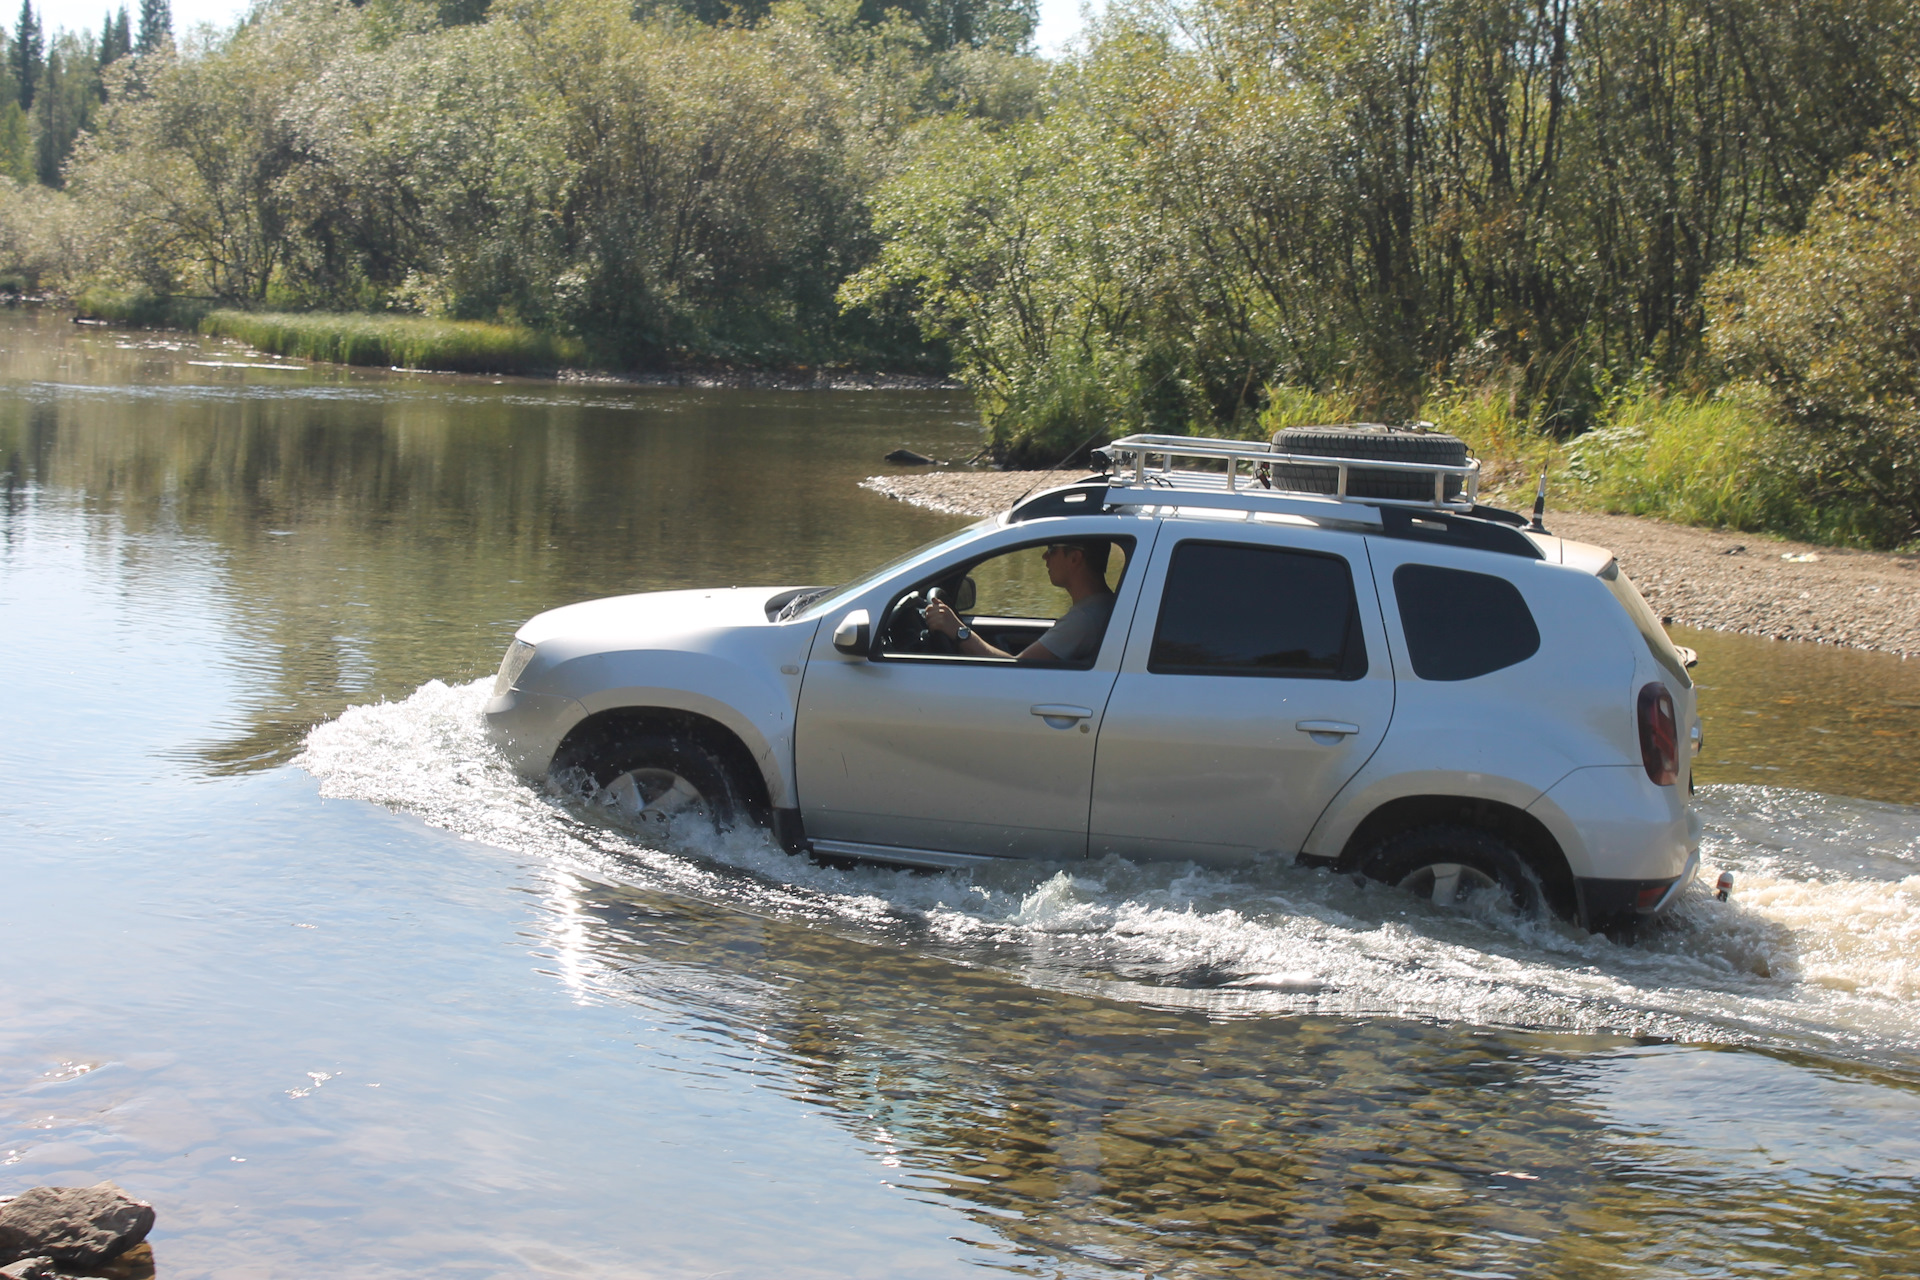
(1829, 321)
(64, 108)
(29, 50)
(156, 25)
(116, 40)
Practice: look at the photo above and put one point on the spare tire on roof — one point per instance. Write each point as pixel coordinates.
(1368, 440)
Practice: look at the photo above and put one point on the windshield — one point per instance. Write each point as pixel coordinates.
(1643, 617)
(838, 596)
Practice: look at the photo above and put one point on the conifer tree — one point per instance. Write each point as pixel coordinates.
(156, 25)
(29, 48)
(116, 42)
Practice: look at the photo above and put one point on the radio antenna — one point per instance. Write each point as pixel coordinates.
(1540, 502)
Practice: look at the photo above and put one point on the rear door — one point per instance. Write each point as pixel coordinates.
(1256, 681)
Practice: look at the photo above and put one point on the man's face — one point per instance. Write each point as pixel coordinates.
(1061, 560)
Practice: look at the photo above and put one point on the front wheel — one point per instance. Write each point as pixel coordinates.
(1447, 865)
(654, 779)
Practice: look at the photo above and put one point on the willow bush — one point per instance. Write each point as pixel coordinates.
(1829, 322)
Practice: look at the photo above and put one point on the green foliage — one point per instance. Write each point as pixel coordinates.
(664, 191)
(41, 235)
(143, 308)
(460, 346)
(69, 97)
(1829, 321)
(1381, 199)
(17, 151)
(27, 58)
(1723, 461)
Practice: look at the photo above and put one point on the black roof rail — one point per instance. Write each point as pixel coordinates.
(1082, 497)
(1457, 530)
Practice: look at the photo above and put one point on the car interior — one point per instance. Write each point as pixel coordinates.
(1006, 598)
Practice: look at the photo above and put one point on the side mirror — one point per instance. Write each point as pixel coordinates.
(967, 596)
(852, 635)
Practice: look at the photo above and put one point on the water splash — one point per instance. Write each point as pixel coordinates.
(1817, 950)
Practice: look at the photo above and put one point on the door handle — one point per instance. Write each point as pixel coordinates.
(1059, 715)
(1328, 728)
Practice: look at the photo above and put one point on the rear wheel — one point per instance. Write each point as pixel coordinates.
(1448, 864)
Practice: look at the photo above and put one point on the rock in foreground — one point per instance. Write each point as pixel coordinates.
(74, 1226)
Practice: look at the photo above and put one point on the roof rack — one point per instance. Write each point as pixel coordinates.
(1242, 477)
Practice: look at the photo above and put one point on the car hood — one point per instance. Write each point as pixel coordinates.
(627, 621)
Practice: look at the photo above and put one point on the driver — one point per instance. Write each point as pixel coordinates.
(1080, 569)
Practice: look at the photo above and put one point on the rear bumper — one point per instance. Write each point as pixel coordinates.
(1609, 902)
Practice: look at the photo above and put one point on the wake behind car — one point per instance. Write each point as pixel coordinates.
(1320, 649)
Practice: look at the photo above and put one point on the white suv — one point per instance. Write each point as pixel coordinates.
(1411, 687)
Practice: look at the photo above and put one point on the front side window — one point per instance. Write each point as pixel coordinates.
(1057, 595)
(1235, 610)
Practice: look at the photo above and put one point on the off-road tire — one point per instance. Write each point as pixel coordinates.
(1389, 444)
(655, 752)
(1407, 860)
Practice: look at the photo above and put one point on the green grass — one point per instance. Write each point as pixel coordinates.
(143, 308)
(411, 342)
(1723, 461)
(1719, 461)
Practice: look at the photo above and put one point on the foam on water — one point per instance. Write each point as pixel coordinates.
(1819, 948)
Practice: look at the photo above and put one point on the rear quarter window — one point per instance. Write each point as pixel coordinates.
(1460, 625)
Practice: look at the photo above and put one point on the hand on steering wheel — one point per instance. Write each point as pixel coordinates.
(942, 624)
(940, 617)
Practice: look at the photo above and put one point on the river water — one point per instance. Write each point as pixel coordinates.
(289, 953)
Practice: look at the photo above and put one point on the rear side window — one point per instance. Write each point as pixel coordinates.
(1235, 610)
(1460, 625)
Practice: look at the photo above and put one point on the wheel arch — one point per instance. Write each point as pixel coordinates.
(600, 730)
(1526, 833)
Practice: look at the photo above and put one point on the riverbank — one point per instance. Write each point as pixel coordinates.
(459, 346)
(1707, 578)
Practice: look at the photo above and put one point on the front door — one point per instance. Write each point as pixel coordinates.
(925, 751)
(1256, 682)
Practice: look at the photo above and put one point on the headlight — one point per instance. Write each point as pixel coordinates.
(519, 654)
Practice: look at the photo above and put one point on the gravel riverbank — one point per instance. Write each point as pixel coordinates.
(1705, 578)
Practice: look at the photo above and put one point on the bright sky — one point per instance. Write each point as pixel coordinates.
(71, 15)
(1059, 19)
(1060, 22)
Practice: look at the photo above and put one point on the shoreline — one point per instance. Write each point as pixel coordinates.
(692, 376)
(1712, 579)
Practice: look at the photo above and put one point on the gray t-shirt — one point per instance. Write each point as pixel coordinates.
(1076, 637)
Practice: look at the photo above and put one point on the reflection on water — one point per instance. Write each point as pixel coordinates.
(433, 1021)
(1807, 715)
(376, 528)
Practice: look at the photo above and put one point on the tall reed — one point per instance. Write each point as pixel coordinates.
(412, 342)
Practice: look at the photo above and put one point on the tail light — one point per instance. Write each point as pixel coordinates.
(1659, 735)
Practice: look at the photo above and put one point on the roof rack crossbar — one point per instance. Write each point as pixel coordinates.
(1137, 453)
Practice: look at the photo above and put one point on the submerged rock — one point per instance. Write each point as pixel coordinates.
(908, 458)
(72, 1225)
